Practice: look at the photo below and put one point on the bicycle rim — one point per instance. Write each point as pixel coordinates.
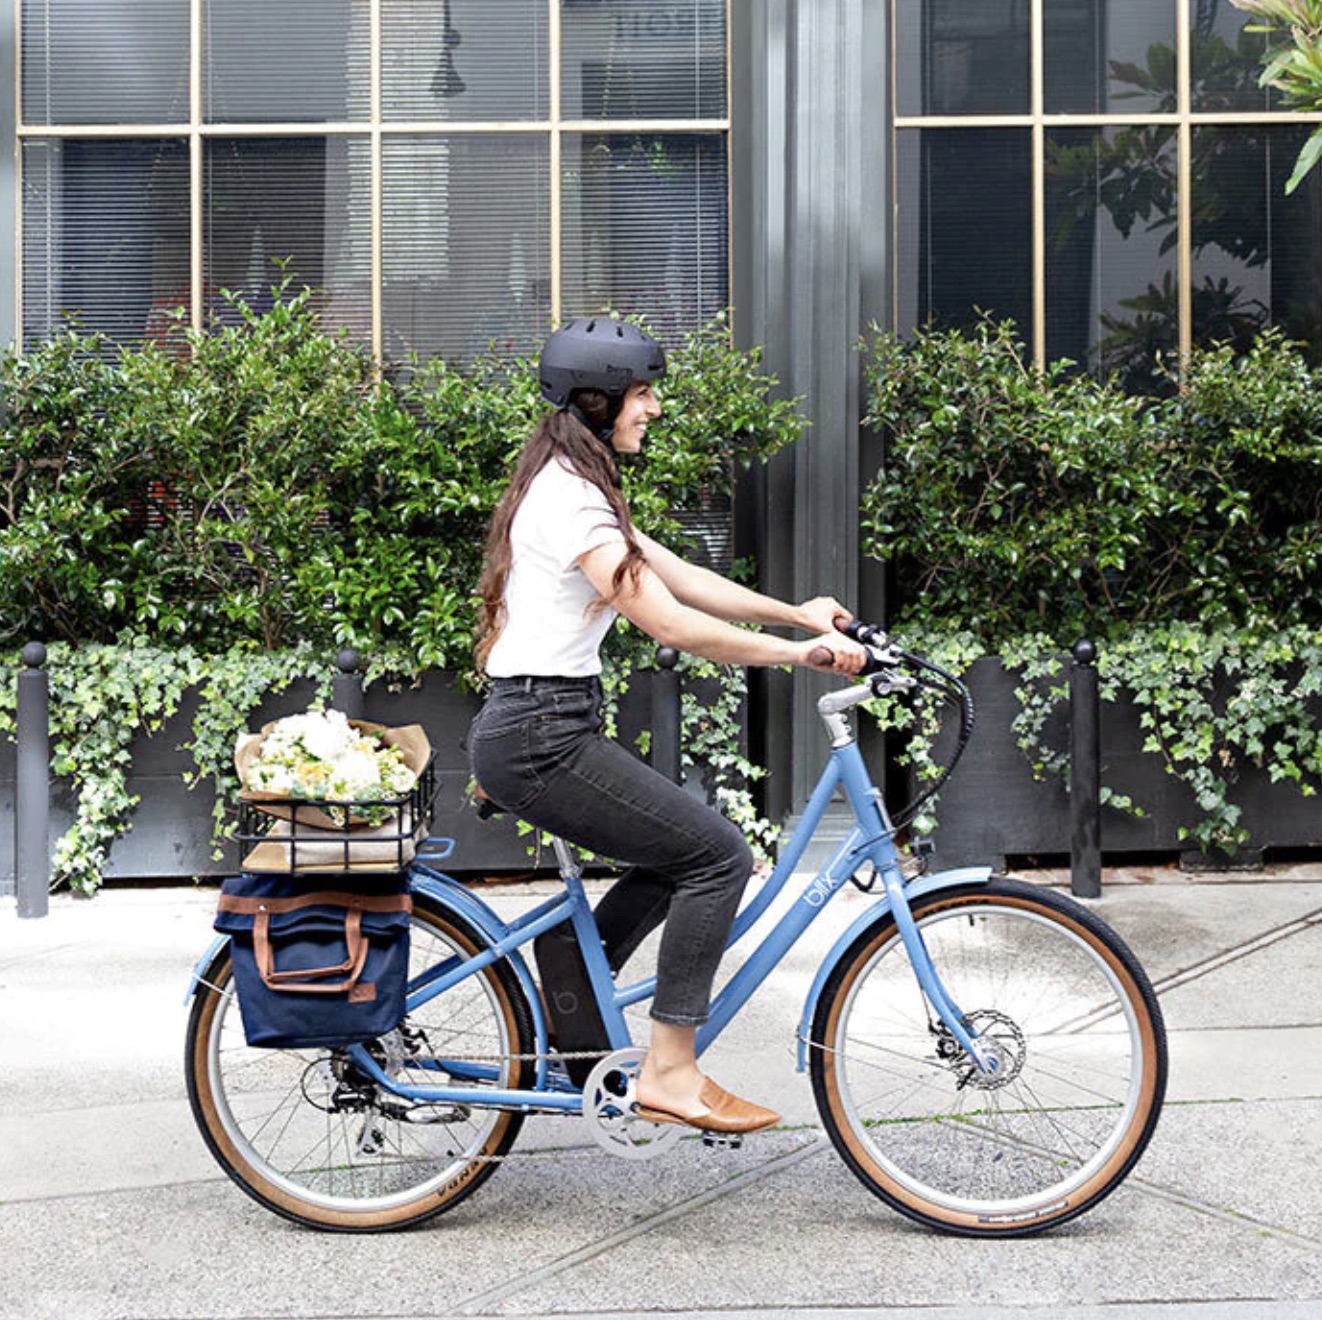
(309, 1139)
(1083, 1063)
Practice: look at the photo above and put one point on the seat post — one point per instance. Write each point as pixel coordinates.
(564, 855)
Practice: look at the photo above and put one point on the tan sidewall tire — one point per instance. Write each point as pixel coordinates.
(1079, 1199)
(434, 1202)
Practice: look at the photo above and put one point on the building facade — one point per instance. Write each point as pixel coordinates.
(458, 173)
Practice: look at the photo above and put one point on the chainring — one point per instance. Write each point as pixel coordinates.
(608, 1110)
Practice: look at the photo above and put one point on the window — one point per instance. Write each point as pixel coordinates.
(448, 174)
(1108, 173)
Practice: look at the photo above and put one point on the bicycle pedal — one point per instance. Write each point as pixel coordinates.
(723, 1140)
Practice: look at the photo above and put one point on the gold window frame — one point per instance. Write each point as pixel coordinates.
(1185, 120)
(375, 129)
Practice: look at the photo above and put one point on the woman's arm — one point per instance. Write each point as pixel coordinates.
(654, 608)
(716, 595)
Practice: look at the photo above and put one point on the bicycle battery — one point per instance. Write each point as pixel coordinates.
(570, 1001)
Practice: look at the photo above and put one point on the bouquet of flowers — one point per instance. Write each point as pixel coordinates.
(324, 757)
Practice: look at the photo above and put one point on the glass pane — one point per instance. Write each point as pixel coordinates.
(285, 61)
(1112, 299)
(105, 235)
(1108, 56)
(644, 226)
(297, 203)
(962, 57)
(467, 261)
(492, 65)
(1257, 254)
(105, 61)
(635, 59)
(1226, 60)
(964, 238)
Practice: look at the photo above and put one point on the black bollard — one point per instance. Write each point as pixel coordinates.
(665, 714)
(347, 685)
(1085, 774)
(32, 787)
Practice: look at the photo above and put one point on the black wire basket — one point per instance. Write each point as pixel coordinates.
(307, 836)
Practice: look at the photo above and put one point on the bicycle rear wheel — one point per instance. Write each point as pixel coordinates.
(1080, 1038)
(311, 1137)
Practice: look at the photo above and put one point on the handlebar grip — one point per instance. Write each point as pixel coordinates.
(819, 655)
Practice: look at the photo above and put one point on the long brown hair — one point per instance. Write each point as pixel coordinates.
(558, 435)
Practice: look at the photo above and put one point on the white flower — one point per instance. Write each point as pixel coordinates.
(320, 755)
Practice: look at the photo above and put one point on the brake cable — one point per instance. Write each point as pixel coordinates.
(944, 683)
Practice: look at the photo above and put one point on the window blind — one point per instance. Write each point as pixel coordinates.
(635, 59)
(645, 226)
(465, 59)
(104, 61)
(466, 244)
(283, 61)
(295, 205)
(466, 223)
(105, 235)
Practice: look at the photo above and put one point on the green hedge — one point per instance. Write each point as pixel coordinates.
(263, 483)
(1013, 501)
(1018, 511)
(226, 509)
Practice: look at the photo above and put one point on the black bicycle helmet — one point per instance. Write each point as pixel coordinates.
(597, 353)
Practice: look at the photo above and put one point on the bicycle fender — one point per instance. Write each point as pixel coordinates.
(928, 884)
(200, 967)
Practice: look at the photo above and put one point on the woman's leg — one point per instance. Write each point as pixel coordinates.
(546, 760)
(630, 910)
(670, 1077)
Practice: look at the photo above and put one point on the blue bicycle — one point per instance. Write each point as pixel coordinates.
(987, 1056)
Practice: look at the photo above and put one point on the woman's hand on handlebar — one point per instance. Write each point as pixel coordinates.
(834, 653)
(822, 615)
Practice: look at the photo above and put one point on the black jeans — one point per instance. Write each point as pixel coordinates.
(537, 749)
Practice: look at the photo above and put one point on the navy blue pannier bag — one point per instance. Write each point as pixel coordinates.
(316, 966)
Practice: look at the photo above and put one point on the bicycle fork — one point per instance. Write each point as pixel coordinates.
(952, 1018)
(848, 768)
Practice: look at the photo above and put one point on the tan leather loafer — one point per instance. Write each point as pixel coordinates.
(723, 1113)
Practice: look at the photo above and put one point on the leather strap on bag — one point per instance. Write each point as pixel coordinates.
(313, 980)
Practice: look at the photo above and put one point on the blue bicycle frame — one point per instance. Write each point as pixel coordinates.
(870, 841)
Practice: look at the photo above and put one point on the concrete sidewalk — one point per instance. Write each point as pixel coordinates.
(110, 1205)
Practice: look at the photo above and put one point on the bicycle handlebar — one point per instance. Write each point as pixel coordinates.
(890, 667)
(869, 634)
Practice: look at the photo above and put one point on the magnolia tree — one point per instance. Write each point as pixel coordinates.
(1293, 63)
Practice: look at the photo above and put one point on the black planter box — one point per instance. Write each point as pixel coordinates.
(169, 837)
(993, 809)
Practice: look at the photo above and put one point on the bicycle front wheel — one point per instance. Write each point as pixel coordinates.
(1081, 1050)
(311, 1137)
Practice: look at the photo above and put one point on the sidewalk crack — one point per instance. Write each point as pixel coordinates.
(1227, 956)
(477, 1305)
(1292, 1237)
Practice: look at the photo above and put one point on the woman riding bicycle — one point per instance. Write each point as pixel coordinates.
(563, 557)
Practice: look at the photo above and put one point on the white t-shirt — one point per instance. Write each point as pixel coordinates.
(550, 627)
